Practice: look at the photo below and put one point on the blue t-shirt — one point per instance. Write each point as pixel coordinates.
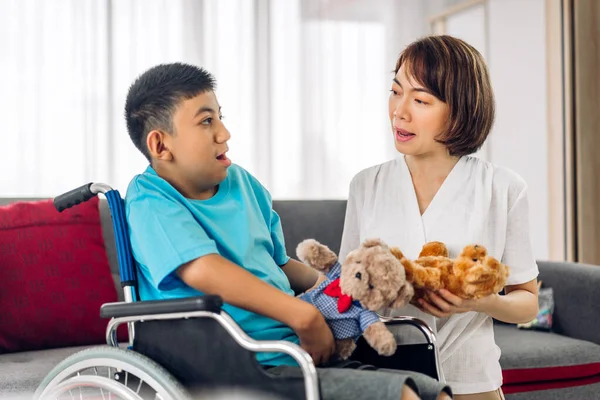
(168, 230)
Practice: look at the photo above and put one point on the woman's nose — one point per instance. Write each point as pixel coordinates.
(400, 110)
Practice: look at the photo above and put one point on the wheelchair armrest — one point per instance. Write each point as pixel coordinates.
(412, 321)
(154, 307)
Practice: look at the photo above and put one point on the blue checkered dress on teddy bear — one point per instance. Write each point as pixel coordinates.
(348, 324)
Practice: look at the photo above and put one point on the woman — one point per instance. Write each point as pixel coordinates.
(441, 110)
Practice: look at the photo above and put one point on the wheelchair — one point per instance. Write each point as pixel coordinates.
(182, 349)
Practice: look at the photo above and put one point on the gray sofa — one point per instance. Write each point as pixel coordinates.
(537, 365)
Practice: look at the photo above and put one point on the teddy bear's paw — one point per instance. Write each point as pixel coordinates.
(345, 347)
(380, 338)
(427, 277)
(316, 255)
(475, 291)
(388, 348)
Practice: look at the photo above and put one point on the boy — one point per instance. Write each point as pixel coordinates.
(202, 225)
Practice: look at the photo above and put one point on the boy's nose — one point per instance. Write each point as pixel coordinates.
(223, 135)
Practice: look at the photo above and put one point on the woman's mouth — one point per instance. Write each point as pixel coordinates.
(403, 135)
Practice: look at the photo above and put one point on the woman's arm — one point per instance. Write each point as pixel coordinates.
(519, 304)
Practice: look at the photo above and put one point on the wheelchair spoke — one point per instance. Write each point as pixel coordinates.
(126, 376)
(139, 387)
(73, 397)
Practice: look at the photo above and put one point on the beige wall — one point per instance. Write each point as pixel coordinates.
(586, 96)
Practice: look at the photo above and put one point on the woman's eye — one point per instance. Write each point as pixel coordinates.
(207, 121)
(394, 92)
(419, 101)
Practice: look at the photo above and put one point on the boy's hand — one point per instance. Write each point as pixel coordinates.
(315, 336)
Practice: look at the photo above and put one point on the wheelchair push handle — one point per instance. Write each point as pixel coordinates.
(73, 197)
(79, 195)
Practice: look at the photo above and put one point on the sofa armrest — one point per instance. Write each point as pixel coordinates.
(154, 307)
(576, 290)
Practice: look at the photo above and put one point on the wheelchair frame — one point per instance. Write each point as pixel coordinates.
(131, 311)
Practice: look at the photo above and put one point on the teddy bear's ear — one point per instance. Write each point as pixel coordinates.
(374, 243)
(434, 249)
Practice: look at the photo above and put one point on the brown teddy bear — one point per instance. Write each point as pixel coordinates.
(472, 275)
(369, 279)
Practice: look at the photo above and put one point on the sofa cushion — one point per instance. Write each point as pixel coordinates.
(21, 373)
(538, 360)
(54, 276)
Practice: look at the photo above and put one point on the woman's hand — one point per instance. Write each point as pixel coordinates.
(443, 304)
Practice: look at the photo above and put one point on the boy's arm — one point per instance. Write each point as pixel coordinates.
(213, 274)
(301, 276)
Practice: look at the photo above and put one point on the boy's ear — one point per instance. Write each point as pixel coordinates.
(158, 143)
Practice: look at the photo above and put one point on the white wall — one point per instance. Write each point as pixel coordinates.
(517, 59)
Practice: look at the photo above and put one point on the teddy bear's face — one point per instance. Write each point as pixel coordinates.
(475, 253)
(373, 276)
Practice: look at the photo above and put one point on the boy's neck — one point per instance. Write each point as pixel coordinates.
(188, 189)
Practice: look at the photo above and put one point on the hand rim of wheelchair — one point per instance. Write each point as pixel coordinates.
(304, 360)
(100, 382)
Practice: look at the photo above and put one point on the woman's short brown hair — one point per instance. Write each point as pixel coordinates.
(455, 73)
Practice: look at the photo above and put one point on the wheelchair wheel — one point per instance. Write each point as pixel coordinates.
(109, 373)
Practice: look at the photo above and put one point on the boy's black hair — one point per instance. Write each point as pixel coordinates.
(154, 95)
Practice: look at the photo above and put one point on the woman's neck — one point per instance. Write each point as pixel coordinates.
(431, 167)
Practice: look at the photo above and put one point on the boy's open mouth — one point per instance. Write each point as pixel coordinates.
(222, 158)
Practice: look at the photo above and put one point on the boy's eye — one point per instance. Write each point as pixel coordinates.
(207, 121)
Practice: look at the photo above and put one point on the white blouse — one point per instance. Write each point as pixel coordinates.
(478, 203)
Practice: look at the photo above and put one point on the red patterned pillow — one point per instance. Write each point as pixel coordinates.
(54, 276)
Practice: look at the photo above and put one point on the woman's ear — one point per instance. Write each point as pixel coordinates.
(158, 143)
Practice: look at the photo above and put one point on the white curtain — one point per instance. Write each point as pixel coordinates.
(53, 95)
(303, 89)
